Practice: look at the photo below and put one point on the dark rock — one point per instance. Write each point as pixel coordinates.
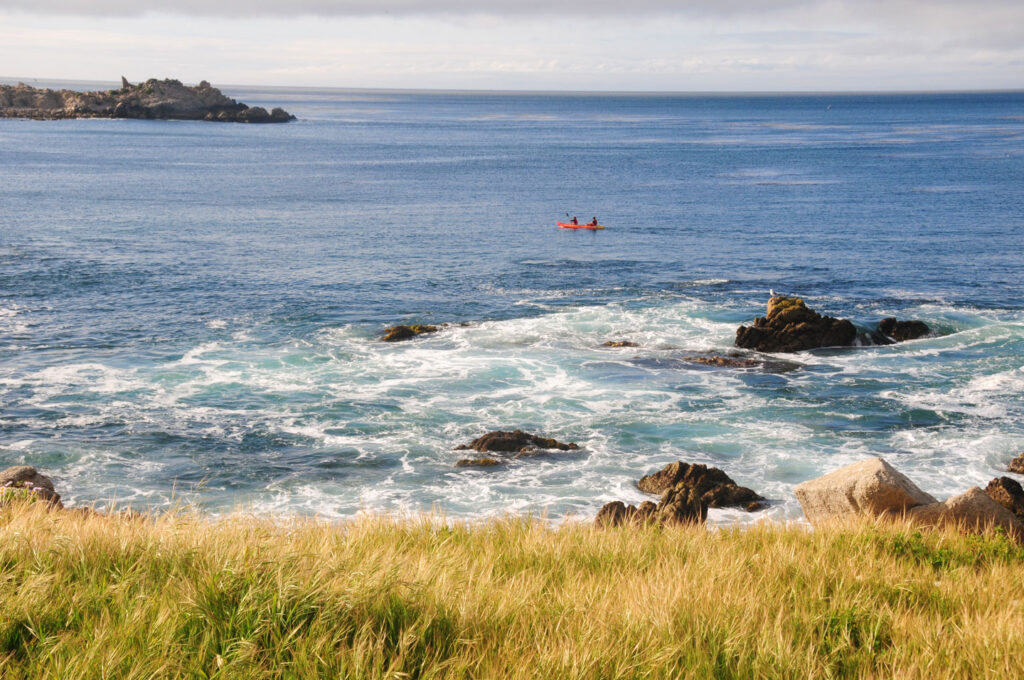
(1008, 493)
(618, 513)
(153, 99)
(402, 332)
(254, 114)
(514, 442)
(715, 488)
(753, 506)
(903, 330)
(1017, 465)
(682, 505)
(477, 462)
(28, 478)
(279, 115)
(619, 343)
(790, 326)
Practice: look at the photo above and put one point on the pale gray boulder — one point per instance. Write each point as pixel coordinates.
(870, 487)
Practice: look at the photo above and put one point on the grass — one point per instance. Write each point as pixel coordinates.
(185, 596)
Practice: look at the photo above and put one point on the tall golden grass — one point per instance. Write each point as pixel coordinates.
(185, 596)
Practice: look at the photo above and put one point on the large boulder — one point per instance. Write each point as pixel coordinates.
(869, 487)
(1008, 493)
(24, 479)
(972, 510)
(715, 488)
(790, 326)
(901, 331)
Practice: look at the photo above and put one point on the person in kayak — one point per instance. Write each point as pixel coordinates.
(574, 220)
(593, 223)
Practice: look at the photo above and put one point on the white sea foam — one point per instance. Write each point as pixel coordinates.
(364, 425)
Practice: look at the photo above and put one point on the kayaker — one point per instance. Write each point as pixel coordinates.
(574, 220)
(593, 222)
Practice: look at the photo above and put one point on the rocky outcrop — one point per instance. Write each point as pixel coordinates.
(619, 343)
(26, 480)
(715, 488)
(153, 99)
(1008, 493)
(790, 326)
(972, 510)
(401, 332)
(871, 487)
(900, 331)
(679, 505)
(1017, 465)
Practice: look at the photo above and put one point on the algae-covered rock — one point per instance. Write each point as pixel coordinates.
(790, 326)
(619, 343)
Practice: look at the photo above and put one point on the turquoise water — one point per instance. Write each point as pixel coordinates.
(188, 311)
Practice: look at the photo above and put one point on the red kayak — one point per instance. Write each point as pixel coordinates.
(592, 227)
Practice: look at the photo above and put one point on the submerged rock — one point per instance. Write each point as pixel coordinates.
(790, 326)
(903, 330)
(724, 362)
(153, 99)
(402, 332)
(715, 488)
(871, 487)
(477, 462)
(24, 479)
(619, 343)
(1008, 493)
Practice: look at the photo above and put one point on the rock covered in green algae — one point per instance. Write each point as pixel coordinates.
(790, 326)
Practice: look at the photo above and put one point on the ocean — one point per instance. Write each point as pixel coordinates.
(190, 312)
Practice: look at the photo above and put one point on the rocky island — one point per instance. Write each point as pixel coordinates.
(153, 99)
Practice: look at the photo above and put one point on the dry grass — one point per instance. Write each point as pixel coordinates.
(183, 596)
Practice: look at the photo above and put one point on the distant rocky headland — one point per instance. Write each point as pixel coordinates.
(153, 99)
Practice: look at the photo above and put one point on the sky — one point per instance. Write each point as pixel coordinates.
(602, 45)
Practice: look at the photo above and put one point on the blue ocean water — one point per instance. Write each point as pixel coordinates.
(189, 311)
